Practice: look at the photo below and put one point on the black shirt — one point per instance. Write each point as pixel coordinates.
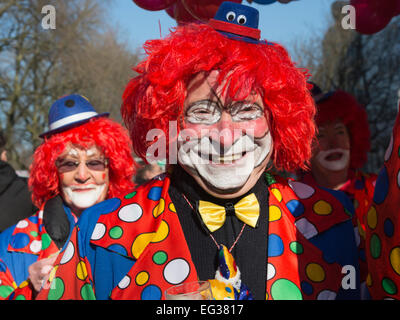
(250, 252)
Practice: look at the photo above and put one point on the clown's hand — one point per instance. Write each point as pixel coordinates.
(40, 270)
(227, 284)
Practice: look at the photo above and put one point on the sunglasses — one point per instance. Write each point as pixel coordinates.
(65, 165)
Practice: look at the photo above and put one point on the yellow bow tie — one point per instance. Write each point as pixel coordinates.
(246, 210)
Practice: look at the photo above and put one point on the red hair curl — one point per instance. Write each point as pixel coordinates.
(109, 136)
(156, 96)
(344, 107)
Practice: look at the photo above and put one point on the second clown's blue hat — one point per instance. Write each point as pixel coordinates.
(68, 112)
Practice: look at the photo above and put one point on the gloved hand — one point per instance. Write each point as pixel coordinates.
(40, 270)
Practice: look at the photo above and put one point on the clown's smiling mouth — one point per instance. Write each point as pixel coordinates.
(226, 159)
(334, 156)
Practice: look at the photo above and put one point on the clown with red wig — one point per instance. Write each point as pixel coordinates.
(224, 107)
(84, 159)
(339, 152)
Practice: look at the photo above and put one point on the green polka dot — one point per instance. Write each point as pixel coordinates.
(375, 246)
(34, 233)
(5, 291)
(296, 247)
(116, 232)
(284, 289)
(348, 212)
(389, 286)
(270, 179)
(46, 240)
(20, 297)
(56, 289)
(130, 195)
(160, 257)
(87, 292)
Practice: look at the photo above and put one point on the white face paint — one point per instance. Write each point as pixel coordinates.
(229, 171)
(84, 196)
(336, 164)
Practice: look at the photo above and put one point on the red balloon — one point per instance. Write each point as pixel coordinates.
(371, 15)
(154, 5)
(197, 10)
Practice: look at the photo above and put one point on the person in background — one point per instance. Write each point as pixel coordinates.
(147, 172)
(15, 198)
(339, 153)
(240, 107)
(84, 159)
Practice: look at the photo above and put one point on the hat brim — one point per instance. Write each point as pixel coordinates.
(72, 125)
(243, 38)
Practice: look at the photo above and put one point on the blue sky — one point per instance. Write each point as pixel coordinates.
(279, 22)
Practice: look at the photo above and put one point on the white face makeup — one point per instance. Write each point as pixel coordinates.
(225, 169)
(334, 159)
(225, 144)
(84, 177)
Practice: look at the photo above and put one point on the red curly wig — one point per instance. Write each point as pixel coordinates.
(109, 136)
(344, 107)
(156, 96)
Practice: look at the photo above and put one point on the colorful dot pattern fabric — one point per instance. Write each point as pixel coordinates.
(146, 228)
(7, 283)
(360, 188)
(383, 226)
(29, 237)
(296, 269)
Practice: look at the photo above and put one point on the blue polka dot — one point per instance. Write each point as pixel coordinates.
(118, 249)
(19, 240)
(295, 207)
(34, 219)
(327, 258)
(3, 267)
(359, 184)
(154, 193)
(306, 287)
(382, 186)
(151, 292)
(275, 245)
(108, 206)
(227, 289)
(388, 228)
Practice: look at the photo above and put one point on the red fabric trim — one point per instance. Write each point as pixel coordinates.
(236, 29)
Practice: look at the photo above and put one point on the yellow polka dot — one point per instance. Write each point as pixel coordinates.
(355, 204)
(315, 272)
(14, 285)
(159, 208)
(52, 273)
(172, 207)
(372, 217)
(266, 296)
(162, 232)
(81, 271)
(140, 243)
(277, 194)
(274, 213)
(395, 259)
(142, 278)
(322, 208)
(368, 281)
(23, 284)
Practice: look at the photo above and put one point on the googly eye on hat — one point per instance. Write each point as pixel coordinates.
(68, 112)
(238, 21)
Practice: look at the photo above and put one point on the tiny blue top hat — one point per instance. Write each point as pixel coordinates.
(68, 112)
(237, 21)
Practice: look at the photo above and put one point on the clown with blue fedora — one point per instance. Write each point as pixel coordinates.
(220, 214)
(84, 159)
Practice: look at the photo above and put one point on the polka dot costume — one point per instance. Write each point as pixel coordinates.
(29, 237)
(144, 226)
(383, 226)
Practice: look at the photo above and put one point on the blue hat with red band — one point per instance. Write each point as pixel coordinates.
(238, 21)
(68, 112)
